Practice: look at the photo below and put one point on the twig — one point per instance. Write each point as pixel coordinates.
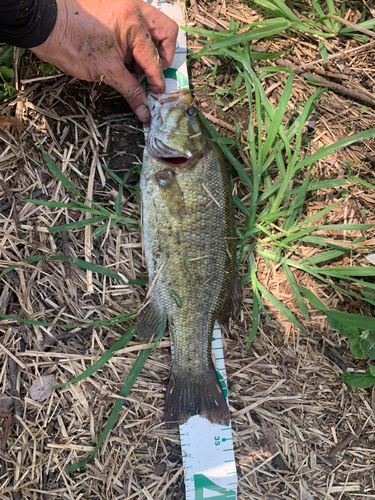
(211, 195)
(13, 374)
(210, 24)
(195, 8)
(341, 55)
(66, 251)
(13, 204)
(12, 356)
(221, 123)
(340, 89)
(369, 33)
(154, 280)
(41, 78)
(345, 442)
(5, 298)
(119, 117)
(328, 74)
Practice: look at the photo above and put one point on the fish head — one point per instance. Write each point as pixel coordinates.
(176, 136)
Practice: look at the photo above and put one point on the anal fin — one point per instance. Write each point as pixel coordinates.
(149, 321)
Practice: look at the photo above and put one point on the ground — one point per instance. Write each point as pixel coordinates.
(299, 431)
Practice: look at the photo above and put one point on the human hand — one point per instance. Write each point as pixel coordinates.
(94, 39)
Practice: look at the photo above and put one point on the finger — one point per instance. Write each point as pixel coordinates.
(166, 51)
(125, 83)
(162, 28)
(147, 57)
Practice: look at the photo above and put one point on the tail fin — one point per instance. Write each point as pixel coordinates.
(189, 395)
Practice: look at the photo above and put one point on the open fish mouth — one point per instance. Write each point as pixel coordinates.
(165, 154)
(180, 161)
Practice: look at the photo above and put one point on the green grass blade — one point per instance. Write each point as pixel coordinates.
(293, 285)
(324, 257)
(323, 52)
(256, 301)
(278, 117)
(280, 306)
(119, 344)
(345, 319)
(317, 240)
(83, 264)
(254, 325)
(126, 388)
(343, 227)
(298, 204)
(271, 27)
(320, 14)
(328, 184)
(240, 205)
(71, 206)
(95, 268)
(107, 322)
(76, 225)
(267, 217)
(311, 270)
(322, 213)
(356, 180)
(344, 272)
(278, 9)
(332, 148)
(236, 164)
(57, 173)
(104, 228)
(138, 281)
(296, 236)
(118, 200)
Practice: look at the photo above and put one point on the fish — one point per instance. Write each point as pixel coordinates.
(190, 250)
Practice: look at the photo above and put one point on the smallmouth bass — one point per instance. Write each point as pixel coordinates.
(190, 250)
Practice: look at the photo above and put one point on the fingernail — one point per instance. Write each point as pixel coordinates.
(143, 113)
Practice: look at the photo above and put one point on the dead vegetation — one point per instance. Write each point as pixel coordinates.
(299, 431)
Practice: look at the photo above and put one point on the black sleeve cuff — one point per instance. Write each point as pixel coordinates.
(26, 23)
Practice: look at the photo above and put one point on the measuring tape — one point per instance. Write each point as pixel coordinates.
(207, 449)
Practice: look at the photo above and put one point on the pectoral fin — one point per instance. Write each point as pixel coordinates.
(149, 321)
(171, 192)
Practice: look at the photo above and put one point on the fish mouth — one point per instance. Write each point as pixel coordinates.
(180, 161)
(168, 155)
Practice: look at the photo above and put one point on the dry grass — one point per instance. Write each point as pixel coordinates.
(299, 431)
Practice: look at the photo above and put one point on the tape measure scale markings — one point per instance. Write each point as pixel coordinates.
(207, 449)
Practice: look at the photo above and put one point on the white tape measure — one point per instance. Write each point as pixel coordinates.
(207, 449)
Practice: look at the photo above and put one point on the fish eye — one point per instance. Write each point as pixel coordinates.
(191, 111)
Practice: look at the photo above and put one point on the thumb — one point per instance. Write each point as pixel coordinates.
(125, 83)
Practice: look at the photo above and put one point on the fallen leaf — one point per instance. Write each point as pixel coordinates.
(8, 121)
(371, 258)
(41, 388)
(6, 405)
